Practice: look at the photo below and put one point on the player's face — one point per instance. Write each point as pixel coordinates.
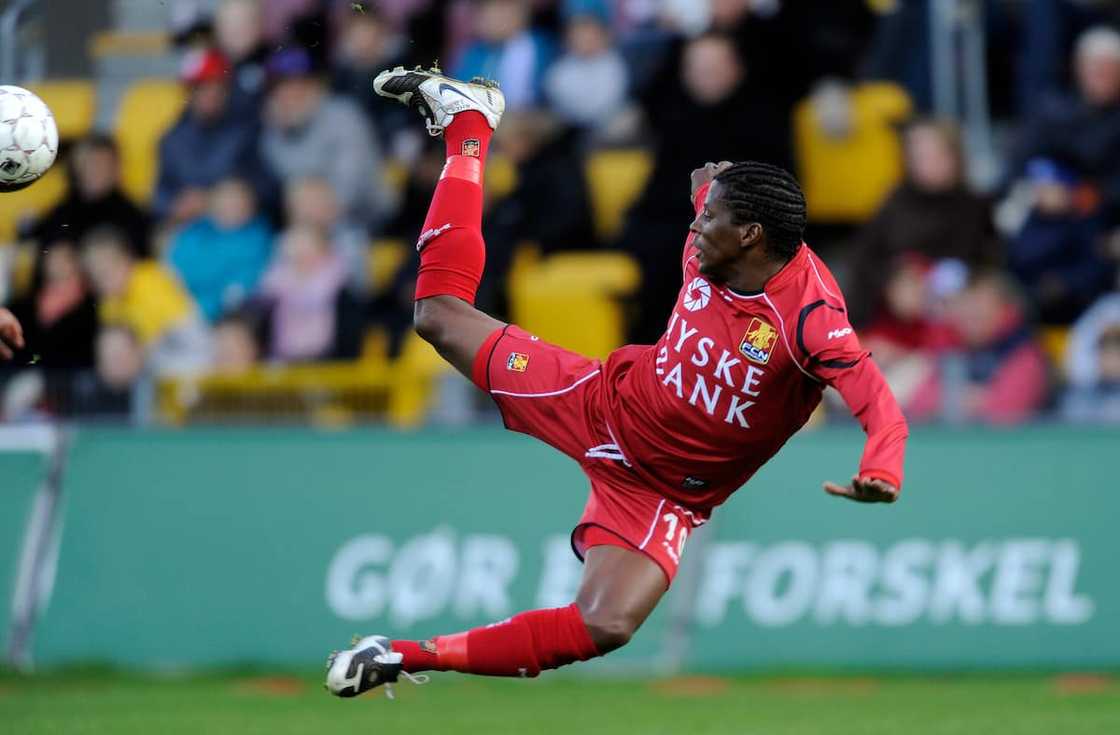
(719, 241)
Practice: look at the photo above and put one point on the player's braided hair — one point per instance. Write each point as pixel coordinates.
(770, 196)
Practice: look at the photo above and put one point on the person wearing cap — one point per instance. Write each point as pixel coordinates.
(309, 132)
(210, 142)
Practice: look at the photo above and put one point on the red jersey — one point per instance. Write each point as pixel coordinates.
(736, 375)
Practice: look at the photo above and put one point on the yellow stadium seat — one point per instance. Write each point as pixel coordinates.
(501, 176)
(149, 108)
(384, 259)
(1055, 342)
(73, 103)
(614, 181)
(572, 299)
(413, 384)
(32, 201)
(846, 179)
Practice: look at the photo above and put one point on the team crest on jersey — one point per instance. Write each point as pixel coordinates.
(517, 362)
(758, 342)
(472, 147)
(697, 295)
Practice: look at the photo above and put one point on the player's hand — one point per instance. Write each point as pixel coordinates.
(11, 334)
(864, 490)
(708, 172)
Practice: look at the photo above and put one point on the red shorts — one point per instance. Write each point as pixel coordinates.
(553, 394)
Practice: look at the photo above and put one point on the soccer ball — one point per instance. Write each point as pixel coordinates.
(28, 138)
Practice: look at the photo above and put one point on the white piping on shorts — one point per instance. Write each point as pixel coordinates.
(656, 518)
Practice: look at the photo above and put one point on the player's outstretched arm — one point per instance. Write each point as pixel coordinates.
(11, 334)
(835, 356)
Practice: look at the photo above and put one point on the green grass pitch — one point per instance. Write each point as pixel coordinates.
(90, 702)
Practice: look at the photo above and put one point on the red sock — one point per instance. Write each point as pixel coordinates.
(523, 645)
(452, 252)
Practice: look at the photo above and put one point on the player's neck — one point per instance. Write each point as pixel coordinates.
(753, 272)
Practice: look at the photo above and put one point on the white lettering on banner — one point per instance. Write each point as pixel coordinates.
(423, 578)
(781, 587)
(724, 566)
(1018, 582)
(354, 591)
(956, 592)
(560, 574)
(488, 567)
(1062, 605)
(848, 571)
(905, 591)
(1005, 582)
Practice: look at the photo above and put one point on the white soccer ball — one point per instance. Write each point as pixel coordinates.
(28, 138)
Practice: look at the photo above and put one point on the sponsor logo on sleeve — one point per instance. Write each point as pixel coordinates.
(517, 362)
(833, 334)
(758, 342)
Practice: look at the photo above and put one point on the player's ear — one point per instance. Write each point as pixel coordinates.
(750, 234)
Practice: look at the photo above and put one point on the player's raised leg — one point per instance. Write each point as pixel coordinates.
(452, 252)
(619, 590)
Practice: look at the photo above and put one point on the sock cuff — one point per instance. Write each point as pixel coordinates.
(466, 168)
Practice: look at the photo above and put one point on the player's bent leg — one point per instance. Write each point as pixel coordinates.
(455, 328)
(620, 588)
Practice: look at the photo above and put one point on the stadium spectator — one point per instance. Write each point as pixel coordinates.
(365, 46)
(221, 257)
(303, 288)
(309, 132)
(588, 84)
(908, 333)
(94, 199)
(236, 350)
(1081, 131)
(59, 315)
(932, 213)
(1093, 365)
(507, 50)
(239, 33)
(146, 298)
(549, 206)
(709, 109)
(999, 376)
(111, 390)
(312, 202)
(1048, 29)
(1059, 253)
(210, 142)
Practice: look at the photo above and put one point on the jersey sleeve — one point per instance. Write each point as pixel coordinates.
(832, 353)
(697, 205)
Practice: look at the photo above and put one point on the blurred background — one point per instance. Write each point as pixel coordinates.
(223, 413)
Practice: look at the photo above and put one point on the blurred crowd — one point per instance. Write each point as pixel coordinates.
(997, 306)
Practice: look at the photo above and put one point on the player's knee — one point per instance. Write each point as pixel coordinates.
(609, 630)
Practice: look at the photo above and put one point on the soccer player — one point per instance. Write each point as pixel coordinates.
(11, 334)
(664, 432)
